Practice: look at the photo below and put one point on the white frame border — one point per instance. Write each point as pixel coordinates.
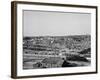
(21, 72)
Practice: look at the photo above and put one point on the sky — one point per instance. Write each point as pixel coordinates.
(48, 23)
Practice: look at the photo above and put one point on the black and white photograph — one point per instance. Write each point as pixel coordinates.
(53, 39)
(62, 40)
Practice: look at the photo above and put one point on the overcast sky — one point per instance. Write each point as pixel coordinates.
(43, 23)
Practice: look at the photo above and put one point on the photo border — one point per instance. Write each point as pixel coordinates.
(14, 37)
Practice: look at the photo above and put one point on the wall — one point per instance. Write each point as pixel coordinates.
(5, 40)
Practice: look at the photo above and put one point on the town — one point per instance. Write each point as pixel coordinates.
(56, 51)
